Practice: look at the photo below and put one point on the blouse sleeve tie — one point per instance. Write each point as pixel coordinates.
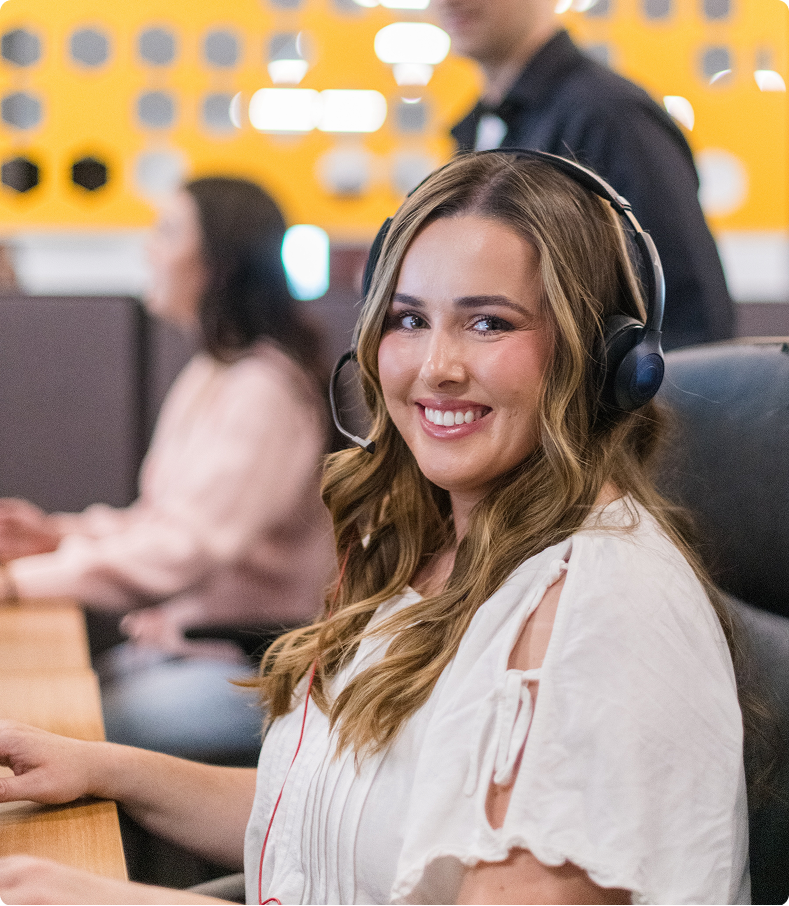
(509, 707)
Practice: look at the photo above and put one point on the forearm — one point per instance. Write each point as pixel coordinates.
(204, 808)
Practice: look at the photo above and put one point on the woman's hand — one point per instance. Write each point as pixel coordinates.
(161, 628)
(47, 768)
(25, 879)
(25, 529)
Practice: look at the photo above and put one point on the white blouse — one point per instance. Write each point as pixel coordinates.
(632, 761)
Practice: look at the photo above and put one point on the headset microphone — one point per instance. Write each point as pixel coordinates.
(631, 358)
(350, 356)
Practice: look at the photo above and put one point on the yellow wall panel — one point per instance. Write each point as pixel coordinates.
(92, 112)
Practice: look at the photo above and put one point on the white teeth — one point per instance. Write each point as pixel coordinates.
(447, 417)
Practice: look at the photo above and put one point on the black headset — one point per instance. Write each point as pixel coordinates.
(632, 358)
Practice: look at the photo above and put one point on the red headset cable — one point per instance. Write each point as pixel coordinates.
(261, 901)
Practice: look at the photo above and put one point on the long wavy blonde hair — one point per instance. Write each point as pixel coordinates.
(405, 520)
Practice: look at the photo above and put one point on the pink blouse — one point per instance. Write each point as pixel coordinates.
(229, 518)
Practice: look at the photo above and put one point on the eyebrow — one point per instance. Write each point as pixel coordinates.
(465, 302)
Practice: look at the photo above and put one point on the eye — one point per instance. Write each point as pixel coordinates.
(405, 320)
(490, 324)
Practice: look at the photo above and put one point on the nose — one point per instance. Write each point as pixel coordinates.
(444, 362)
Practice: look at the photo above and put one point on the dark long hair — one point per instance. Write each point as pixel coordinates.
(247, 296)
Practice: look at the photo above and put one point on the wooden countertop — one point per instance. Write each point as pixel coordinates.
(45, 681)
(45, 638)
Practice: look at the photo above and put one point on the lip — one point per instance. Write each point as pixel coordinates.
(451, 432)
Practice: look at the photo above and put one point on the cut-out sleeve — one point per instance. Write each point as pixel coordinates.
(631, 761)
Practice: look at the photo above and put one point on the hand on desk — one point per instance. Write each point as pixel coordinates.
(25, 879)
(47, 768)
(202, 807)
(25, 530)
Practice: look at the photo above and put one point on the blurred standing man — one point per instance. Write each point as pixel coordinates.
(542, 92)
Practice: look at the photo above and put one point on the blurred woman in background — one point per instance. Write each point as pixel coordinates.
(228, 529)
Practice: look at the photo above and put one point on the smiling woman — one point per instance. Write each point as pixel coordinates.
(490, 719)
(520, 689)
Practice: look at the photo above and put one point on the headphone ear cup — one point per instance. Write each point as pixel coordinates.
(633, 369)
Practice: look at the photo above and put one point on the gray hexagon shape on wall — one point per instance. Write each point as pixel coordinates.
(90, 47)
(20, 47)
(20, 174)
(21, 110)
(89, 173)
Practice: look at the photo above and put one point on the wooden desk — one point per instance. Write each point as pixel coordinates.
(86, 835)
(46, 637)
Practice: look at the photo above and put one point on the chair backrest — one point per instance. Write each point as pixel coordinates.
(729, 464)
(730, 461)
(71, 406)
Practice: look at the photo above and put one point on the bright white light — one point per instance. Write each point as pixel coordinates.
(719, 76)
(287, 72)
(723, 181)
(769, 80)
(351, 111)
(412, 4)
(681, 109)
(412, 73)
(284, 109)
(584, 5)
(412, 42)
(563, 6)
(235, 110)
(305, 255)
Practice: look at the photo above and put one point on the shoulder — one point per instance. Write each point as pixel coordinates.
(600, 98)
(635, 628)
(624, 570)
(267, 372)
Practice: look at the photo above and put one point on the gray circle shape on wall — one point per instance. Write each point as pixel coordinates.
(216, 112)
(715, 60)
(158, 172)
(20, 47)
(717, 9)
(89, 47)
(22, 110)
(157, 46)
(657, 9)
(221, 48)
(411, 117)
(156, 109)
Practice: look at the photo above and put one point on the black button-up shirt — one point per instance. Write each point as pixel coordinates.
(568, 104)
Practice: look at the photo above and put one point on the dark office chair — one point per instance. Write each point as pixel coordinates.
(729, 464)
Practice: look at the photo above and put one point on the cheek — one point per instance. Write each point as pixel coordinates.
(393, 369)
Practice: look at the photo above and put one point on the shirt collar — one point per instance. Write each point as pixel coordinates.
(537, 80)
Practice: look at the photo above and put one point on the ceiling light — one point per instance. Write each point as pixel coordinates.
(284, 109)
(681, 109)
(769, 80)
(351, 111)
(412, 42)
